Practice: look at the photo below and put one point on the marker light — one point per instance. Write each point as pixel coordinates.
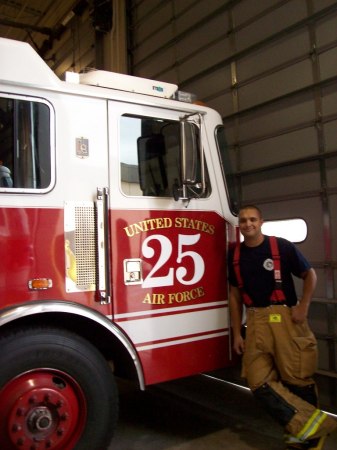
(40, 283)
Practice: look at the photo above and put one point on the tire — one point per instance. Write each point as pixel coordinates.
(57, 392)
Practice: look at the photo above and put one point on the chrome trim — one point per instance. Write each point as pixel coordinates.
(107, 249)
(39, 307)
(100, 244)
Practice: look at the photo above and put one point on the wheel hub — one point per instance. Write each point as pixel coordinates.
(44, 411)
(40, 419)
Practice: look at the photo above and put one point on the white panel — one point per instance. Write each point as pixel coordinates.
(127, 83)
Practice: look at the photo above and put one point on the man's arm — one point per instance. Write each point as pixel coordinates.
(300, 311)
(235, 306)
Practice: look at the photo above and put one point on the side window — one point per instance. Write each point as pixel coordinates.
(25, 150)
(150, 156)
(295, 230)
(227, 164)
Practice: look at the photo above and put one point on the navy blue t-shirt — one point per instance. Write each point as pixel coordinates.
(256, 273)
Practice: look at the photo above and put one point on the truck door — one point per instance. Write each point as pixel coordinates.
(168, 256)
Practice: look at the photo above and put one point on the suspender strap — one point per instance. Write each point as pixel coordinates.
(277, 294)
(236, 263)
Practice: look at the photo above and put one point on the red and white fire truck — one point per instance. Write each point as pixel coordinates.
(116, 212)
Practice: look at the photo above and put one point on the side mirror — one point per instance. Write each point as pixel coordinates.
(192, 176)
(189, 152)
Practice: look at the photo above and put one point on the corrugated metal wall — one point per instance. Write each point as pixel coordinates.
(269, 67)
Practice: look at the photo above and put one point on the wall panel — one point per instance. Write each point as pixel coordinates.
(291, 146)
(273, 56)
(277, 84)
(265, 23)
(284, 179)
(333, 208)
(330, 135)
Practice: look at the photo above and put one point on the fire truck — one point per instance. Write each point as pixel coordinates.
(117, 208)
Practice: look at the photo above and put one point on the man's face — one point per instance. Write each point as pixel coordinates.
(250, 223)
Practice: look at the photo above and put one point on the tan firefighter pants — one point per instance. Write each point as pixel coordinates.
(279, 352)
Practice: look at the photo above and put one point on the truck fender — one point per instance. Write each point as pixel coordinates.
(19, 311)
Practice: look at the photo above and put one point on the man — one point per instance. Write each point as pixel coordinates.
(279, 350)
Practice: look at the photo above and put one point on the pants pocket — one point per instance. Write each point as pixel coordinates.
(306, 350)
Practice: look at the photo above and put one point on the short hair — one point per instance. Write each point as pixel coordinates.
(251, 207)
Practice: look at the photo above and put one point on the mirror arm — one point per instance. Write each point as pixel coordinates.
(202, 158)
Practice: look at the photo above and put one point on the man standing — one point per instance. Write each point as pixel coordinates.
(279, 350)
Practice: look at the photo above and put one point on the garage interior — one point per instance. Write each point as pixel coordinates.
(268, 67)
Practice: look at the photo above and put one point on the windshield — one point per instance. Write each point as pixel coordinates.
(227, 165)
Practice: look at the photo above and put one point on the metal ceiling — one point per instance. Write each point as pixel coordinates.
(41, 22)
(66, 33)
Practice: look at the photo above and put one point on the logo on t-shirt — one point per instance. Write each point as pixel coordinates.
(268, 264)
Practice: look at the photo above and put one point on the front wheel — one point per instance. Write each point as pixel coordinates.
(57, 392)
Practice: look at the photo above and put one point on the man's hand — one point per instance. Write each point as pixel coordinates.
(239, 345)
(299, 312)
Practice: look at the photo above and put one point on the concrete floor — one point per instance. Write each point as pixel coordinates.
(197, 413)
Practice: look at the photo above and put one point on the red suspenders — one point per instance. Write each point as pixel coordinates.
(277, 295)
(236, 262)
